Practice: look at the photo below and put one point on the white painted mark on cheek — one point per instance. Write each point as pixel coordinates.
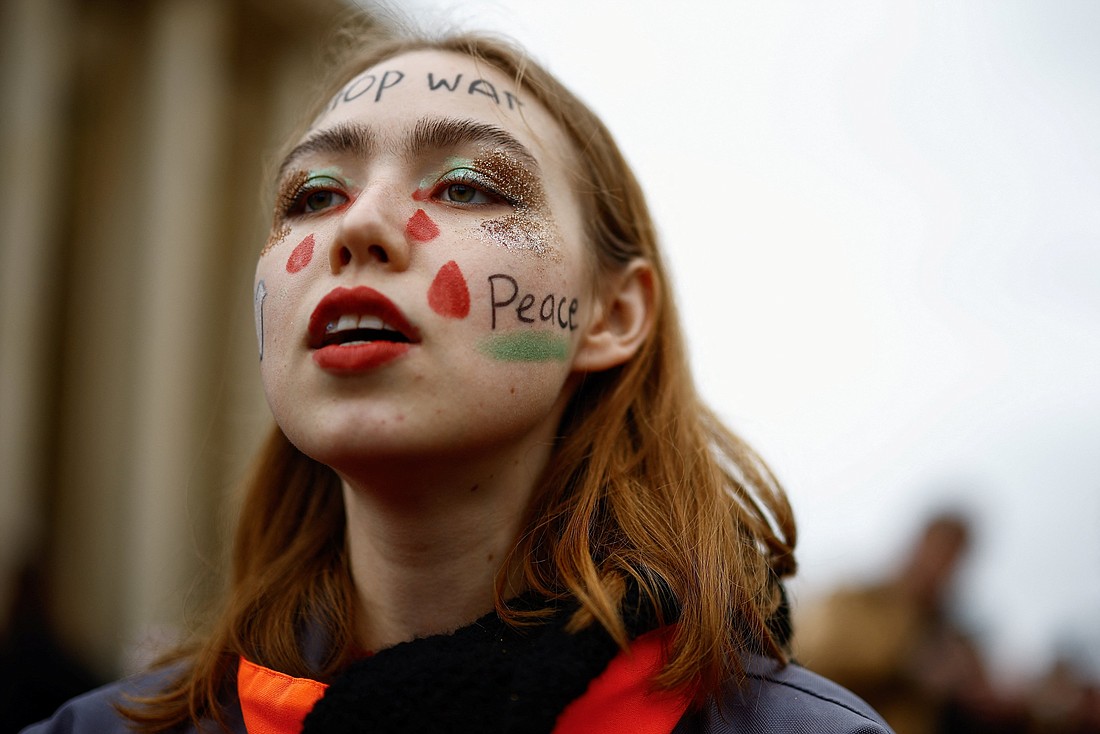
(258, 304)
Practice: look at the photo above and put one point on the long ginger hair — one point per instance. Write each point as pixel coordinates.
(646, 486)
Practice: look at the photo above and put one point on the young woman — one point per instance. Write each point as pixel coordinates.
(492, 500)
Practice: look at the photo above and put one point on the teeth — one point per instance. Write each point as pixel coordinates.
(370, 322)
(347, 322)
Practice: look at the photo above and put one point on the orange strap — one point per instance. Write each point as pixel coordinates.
(618, 701)
(273, 702)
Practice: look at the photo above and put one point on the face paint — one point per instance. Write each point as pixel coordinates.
(277, 236)
(514, 181)
(522, 231)
(258, 304)
(279, 227)
(428, 183)
(362, 404)
(293, 199)
(529, 227)
(448, 295)
(526, 346)
(421, 228)
(301, 256)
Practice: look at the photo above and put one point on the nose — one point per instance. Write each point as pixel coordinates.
(371, 232)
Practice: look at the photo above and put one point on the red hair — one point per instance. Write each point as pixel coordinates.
(646, 486)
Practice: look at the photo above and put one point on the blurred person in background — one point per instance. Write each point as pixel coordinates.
(896, 644)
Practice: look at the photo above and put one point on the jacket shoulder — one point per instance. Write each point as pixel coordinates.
(95, 712)
(775, 698)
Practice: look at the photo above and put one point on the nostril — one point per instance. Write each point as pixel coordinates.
(345, 256)
(378, 253)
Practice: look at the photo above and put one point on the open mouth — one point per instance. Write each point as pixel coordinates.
(358, 315)
(351, 329)
(358, 329)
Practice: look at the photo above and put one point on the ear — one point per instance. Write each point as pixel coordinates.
(621, 320)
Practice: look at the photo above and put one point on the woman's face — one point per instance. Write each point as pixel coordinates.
(427, 280)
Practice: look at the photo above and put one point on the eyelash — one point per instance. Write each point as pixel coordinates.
(474, 179)
(294, 202)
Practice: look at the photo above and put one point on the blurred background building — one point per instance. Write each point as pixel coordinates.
(133, 141)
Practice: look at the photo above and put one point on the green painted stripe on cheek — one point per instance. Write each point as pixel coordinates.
(526, 346)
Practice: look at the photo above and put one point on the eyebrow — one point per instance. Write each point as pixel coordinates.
(344, 137)
(448, 132)
(428, 134)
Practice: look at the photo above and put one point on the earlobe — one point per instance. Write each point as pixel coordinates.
(622, 321)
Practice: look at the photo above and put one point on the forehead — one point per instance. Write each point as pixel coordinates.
(396, 94)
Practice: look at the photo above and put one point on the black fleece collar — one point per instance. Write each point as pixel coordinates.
(488, 677)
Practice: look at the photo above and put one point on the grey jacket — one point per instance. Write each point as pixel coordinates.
(788, 699)
(773, 700)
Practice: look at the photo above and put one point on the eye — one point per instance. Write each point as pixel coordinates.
(466, 187)
(465, 194)
(315, 195)
(315, 201)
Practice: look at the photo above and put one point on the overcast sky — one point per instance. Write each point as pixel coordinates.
(884, 224)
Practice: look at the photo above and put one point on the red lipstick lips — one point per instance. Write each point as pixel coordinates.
(358, 329)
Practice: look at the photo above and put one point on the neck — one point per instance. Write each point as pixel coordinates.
(426, 542)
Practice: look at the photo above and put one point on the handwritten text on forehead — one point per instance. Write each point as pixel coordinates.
(374, 85)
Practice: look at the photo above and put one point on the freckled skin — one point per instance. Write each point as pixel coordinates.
(301, 256)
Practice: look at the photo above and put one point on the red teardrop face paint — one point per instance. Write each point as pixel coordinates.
(301, 256)
(421, 228)
(448, 295)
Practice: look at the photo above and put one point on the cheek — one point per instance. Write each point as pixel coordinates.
(270, 278)
(258, 303)
(524, 231)
(421, 228)
(272, 264)
(301, 255)
(448, 295)
(526, 346)
(531, 314)
(278, 332)
(282, 279)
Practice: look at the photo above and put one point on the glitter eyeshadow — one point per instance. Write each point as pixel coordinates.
(279, 227)
(515, 181)
(529, 227)
(522, 230)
